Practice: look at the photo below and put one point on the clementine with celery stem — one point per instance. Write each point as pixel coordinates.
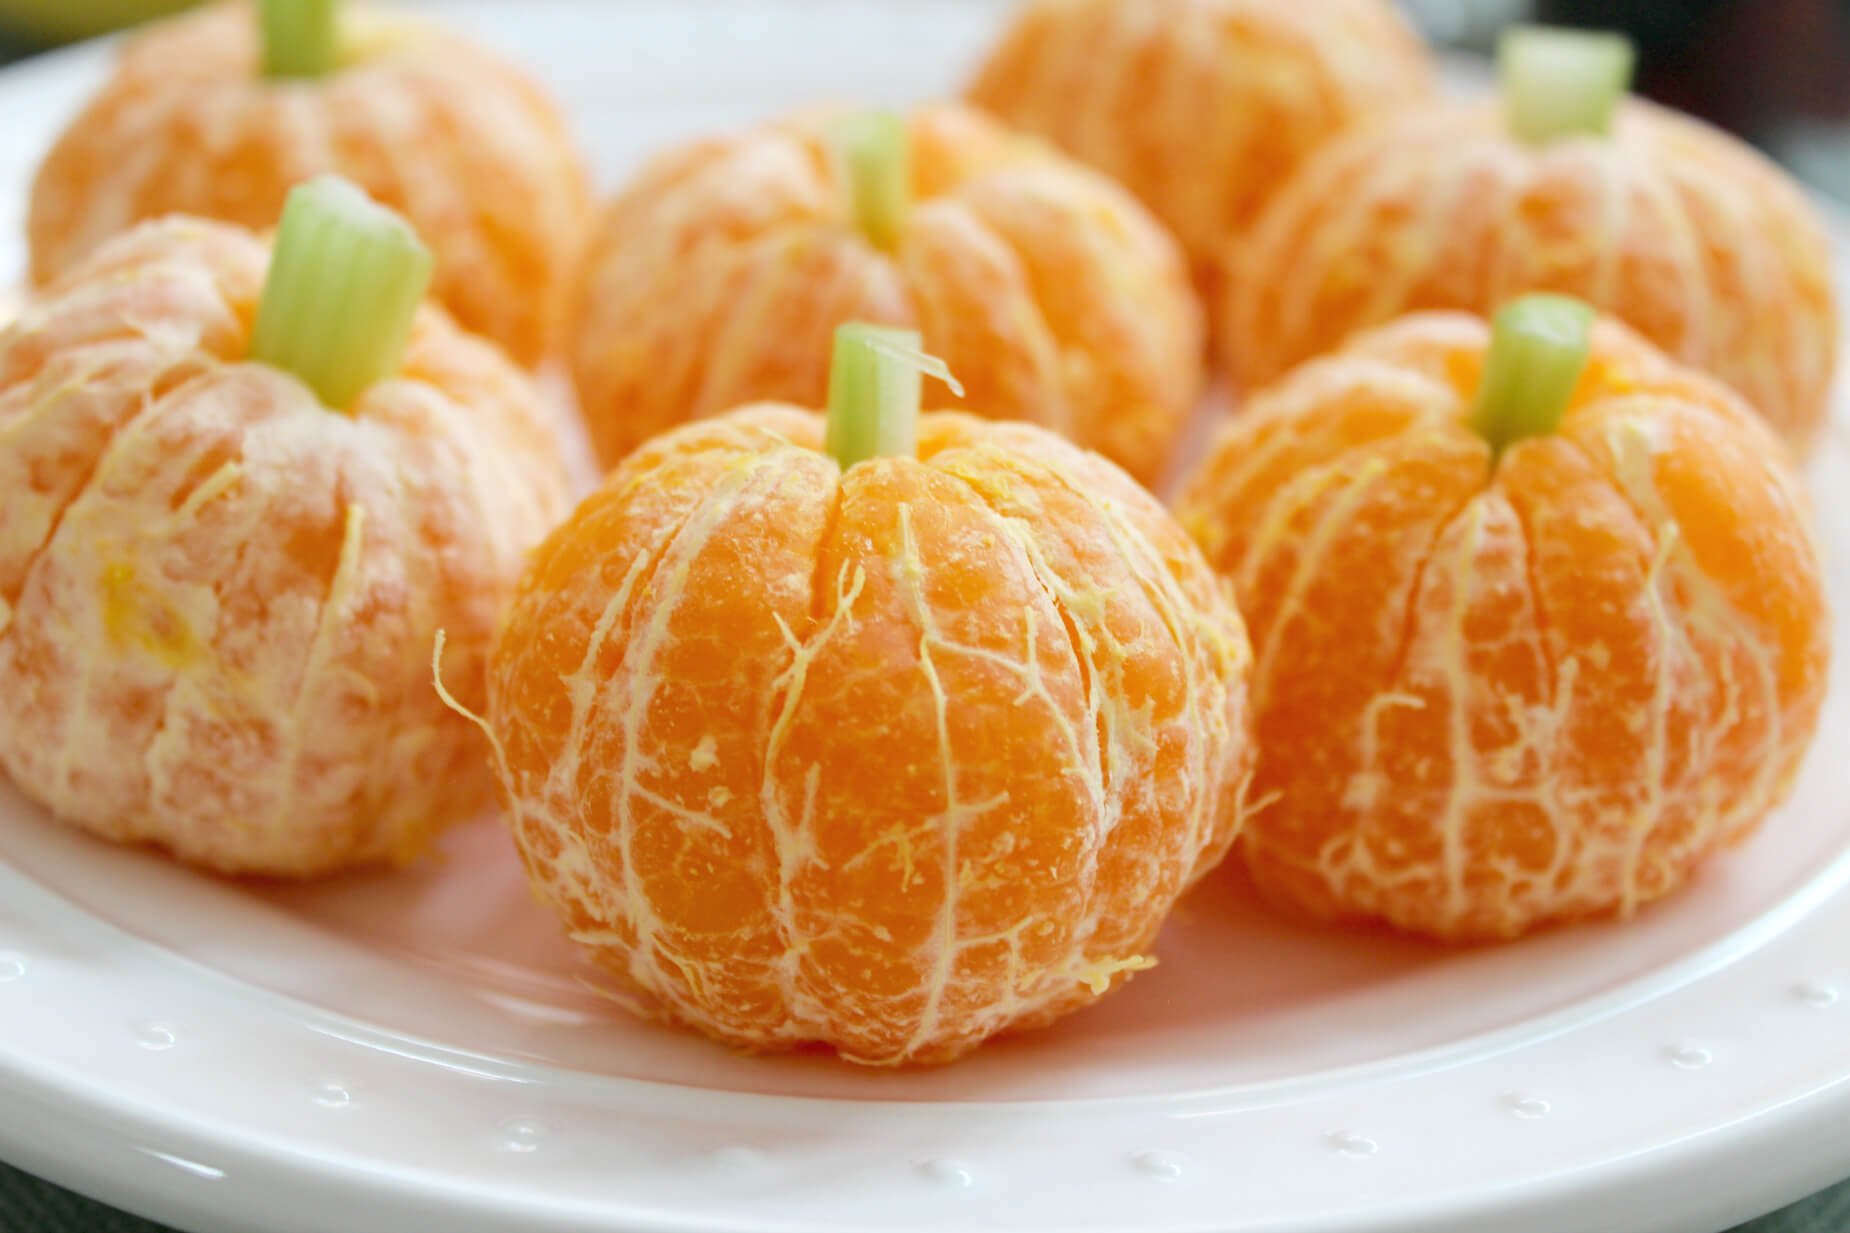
(1679, 230)
(1202, 107)
(1537, 614)
(883, 733)
(717, 277)
(219, 113)
(235, 511)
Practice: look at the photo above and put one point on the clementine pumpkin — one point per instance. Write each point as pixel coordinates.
(1201, 107)
(717, 277)
(1679, 230)
(217, 594)
(1538, 621)
(219, 113)
(887, 748)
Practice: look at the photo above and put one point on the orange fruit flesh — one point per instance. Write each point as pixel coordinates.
(1681, 232)
(440, 130)
(1493, 697)
(1203, 108)
(217, 597)
(718, 276)
(890, 760)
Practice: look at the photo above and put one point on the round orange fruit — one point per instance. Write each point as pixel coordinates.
(1498, 682)
(716, 278)
(445, 132)
(888, 757)
(1681, 231)
(1201, 107)
(218, 597)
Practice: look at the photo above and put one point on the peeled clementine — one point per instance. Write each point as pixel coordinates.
(217, 596)
(1494, 691)
(445, 132)
(1201, 107)
(1681, 231)
(717, 277)
(889, 758)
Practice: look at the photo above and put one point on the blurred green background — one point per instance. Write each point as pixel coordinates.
(29, 23)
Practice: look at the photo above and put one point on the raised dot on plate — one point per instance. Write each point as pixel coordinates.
(947, 1172)
(12, 967)
(155, 1037)
(1688, 1057)
(736, 1159)
(1158, 1165)
(1811, 992)
(1527, 1106)
(333, 1096)
(1358, 1147)
(523, 1137)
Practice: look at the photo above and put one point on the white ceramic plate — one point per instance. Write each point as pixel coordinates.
(420, 1052)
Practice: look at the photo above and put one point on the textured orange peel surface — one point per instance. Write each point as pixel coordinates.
(217, 597)
(1492, 697)
(889, 760)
